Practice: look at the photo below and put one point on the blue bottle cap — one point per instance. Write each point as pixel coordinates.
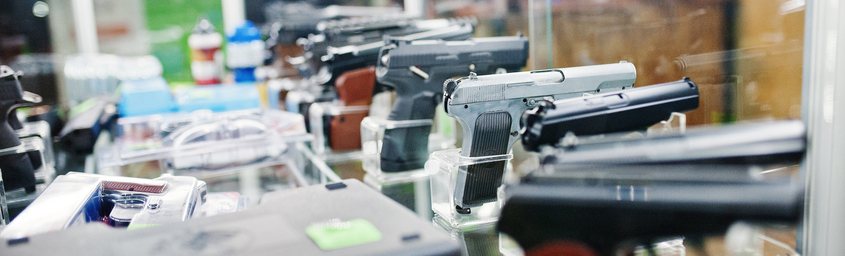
(245, 33)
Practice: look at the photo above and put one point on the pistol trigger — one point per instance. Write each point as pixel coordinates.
(418, 72)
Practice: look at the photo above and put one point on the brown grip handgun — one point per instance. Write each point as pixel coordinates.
(354, 88)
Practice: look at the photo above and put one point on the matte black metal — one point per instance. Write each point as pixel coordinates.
(355, 56)
(619, 111)
(17, 169)
(601, 217)
(778, 142)
(492, 131)
(609, 190)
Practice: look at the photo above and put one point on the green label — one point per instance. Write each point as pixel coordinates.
(335, 234)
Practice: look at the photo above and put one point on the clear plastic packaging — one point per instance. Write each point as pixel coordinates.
(78, 198)
(445, 167)
(251, 151)
(217, 203)
(198, 141)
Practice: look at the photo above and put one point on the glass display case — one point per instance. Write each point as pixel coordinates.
(746, 56)
(752, 60)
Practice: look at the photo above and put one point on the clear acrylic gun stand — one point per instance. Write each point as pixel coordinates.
(475, 231)
(409, 188)
(479, 239)
(445, 167)
(4, 208)
(677, 123)
(508, 246)
(31, 141)
(320, 116)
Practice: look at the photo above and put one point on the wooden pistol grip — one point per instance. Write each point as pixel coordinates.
(355, 87)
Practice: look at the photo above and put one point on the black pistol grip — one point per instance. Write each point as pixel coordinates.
(19, 174)
(34, 156)
(8, 136)
(406, 149)
(489, 138)
(17, 170)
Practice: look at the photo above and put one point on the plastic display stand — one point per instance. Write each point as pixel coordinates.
(40, 129)
(444, 167)
(19, 198)
(4, 208)
(671, 247)
(412, 192)
(322, 117)
(479, 239)
(372, 136)
(508, 246)
(677, 122)
(409, 188)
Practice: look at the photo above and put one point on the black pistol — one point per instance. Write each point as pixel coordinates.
(744, 143)
(292, 21)
(604, 218)
(350, 31)
(417, 70)
(17, 168)
(619, 111)
(340, 59)
(618, 190)
(352, 61)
